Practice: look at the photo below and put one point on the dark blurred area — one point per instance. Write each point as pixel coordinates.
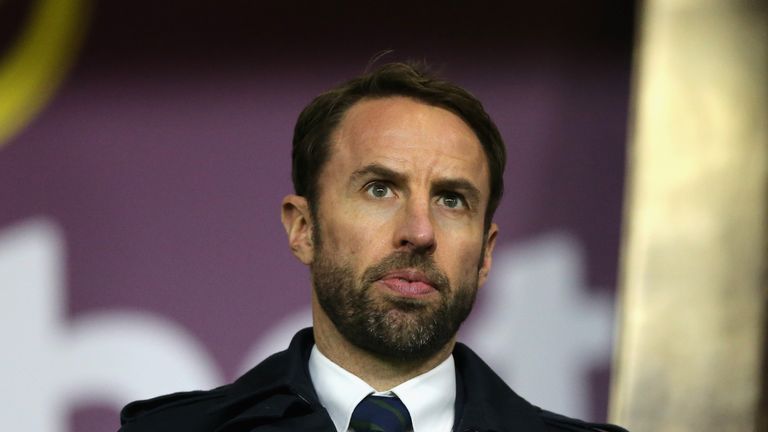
(208, 33)
(268, 31)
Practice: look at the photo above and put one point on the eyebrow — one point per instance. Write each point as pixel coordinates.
(378, 170)
(464, 186)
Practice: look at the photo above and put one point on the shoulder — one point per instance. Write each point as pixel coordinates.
(267, 390)
(189, 411)
(209, 409)
(557, 422)
(489, 403)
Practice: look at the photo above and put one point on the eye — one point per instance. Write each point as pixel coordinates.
(379, 190)
(452, 200)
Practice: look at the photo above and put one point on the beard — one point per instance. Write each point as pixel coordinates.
(393, 327)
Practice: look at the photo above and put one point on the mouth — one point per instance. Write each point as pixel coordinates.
(409, 283)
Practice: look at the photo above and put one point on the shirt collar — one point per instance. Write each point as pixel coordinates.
(429, 397)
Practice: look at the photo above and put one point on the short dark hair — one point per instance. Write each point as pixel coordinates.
(320, 118)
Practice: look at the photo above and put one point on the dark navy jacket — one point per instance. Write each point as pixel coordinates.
(277, 395)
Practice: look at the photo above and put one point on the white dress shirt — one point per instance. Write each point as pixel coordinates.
(429, 397)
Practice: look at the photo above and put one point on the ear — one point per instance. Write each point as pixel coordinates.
(297, 222)
(490, 243)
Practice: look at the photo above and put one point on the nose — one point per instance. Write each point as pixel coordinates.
(415, 230)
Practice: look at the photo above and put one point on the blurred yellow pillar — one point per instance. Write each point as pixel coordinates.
(694, 296)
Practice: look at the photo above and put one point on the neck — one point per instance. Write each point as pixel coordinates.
(380, 373)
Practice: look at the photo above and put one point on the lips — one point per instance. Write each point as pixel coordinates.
(409, 283)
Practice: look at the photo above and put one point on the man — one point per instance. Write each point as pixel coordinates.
(397, 175)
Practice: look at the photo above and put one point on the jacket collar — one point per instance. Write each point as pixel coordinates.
(280, 389)
(279, 392)
(488, 403)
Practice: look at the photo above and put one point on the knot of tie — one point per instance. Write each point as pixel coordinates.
(381, 414)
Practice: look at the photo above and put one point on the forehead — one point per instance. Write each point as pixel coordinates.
(409, 135)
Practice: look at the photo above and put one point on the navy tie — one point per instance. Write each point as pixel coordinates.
(381, 414)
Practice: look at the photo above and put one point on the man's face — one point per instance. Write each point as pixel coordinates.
(399, 246)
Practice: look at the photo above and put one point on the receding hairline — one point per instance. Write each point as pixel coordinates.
(333, 135)
(333, 138)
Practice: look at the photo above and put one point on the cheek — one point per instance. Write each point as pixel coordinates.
(472, 260)
(353, 237)
(462, 258)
